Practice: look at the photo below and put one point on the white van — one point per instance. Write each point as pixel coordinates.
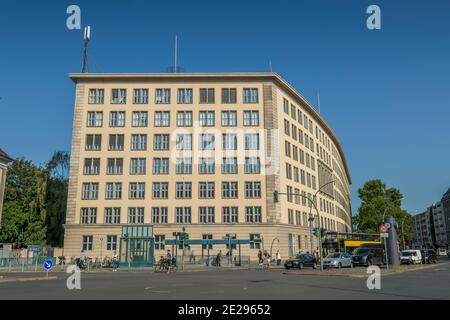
(441, 252)
(411, 257)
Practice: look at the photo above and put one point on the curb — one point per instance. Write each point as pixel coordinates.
(28, 279)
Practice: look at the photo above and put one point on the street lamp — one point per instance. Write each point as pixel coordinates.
(403, 234)
(311, 220)
(101, 250)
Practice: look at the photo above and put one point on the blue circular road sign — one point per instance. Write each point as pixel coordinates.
(48, 264)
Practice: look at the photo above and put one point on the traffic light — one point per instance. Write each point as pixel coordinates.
(320, 232)
(275, 197)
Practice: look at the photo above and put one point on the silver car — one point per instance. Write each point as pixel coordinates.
(338, 260)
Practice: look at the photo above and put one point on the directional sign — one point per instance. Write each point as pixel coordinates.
(48, 264)
(384, 235)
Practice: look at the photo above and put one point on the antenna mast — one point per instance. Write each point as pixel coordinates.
(318, 101)
(176, 54)
(87, 37)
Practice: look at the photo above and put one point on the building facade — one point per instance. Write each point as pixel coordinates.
(430, 227)
(446, 221)
(4, 160)
(204, 152)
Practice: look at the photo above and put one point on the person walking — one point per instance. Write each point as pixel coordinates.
(260, 257)
(278, 258)
(192, 257)
(115, 261)
(219, 259)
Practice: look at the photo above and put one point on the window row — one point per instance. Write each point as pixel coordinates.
(138, 166)
(184, 96)
(183, 215)
(161, 142)
(162, 119)
(160, 190)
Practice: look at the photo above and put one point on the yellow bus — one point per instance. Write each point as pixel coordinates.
(350, 245)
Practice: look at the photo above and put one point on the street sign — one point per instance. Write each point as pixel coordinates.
(384, 235)
(48, 264)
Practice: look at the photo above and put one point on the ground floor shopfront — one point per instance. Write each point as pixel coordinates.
(102, 240)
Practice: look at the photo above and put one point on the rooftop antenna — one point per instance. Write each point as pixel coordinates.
(87, 37)
(270, 65)
(176, 54)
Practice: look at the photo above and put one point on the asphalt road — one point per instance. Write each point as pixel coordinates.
(430, 283)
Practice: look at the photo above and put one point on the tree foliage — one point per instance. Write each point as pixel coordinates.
(35, 202)
(378, 202)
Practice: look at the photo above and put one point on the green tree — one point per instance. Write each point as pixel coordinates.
(24, 210)
(376, 201)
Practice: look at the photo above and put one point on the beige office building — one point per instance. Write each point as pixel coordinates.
(205, 152)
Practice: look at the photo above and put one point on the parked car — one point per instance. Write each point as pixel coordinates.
(338, 260)
(366, 256)
(441, 252)
(301, 261)
(428, 256)
(410, 257)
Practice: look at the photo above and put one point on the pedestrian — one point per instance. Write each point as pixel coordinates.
(260, 257)
(219, 259)
(192, 257)
(278, 258)
(266, 261)
(115, 261)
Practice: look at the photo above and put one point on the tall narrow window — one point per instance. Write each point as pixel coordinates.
(96, 96)
(118, 96)
(184, 96)
(162, 96)
(207, 95)
(250, 95)
(140, 96)
(229, 95)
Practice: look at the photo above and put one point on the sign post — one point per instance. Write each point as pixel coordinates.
(384, 229)
(48, 264)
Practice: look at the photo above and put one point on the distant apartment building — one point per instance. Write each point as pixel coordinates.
(446, 208)
(4, 160)
(430, 227)
(203, 152)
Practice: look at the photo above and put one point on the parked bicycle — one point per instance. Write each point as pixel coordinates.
(166, 265)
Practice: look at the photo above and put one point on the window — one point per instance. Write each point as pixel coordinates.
(114, 166)
(111, 243)
(288, 171)
(162, 96)
(206, 166)
(207, 141)
(184, 141)
(183, 166)
(293, 113)
(162, 118)
(207, 118)
(230, 214)
(118, 96)
(135, 215)
(159, 215)
(88, 216)
(251, 118)
(117, 119)
(229, 141)
(183, 190)
(294, 132)
(229, 118)
(302, 177)
(160, 190)
(184, 96)
(206, 215)
(251, 141)
(93, 142)
(95, 119)
(96, 96)
(137, 165)
(206, 95)
(299, 116)
(116, 142)
(161, 142)
(296, 174)
(113, 191)
(140, 96)
(183, 214)
(298, 218)
(253, 214)
(112, 215)
(139, 119)
(160, 165)
(289, 194)
(184, 118)
(229, 95)
(300, 136)
(87, 243)
(287, 148)
(230, 190)
(91, 166)
(255, 241)
(89, 191)
(295, 153)
(250, 95)
(285, 106)
(290, 216)
(139, 142)
(159, 242)
(207, 237)
(252, 190)
(252, 165)
(286, 127)
(229, 165)
(206, 190)
(136, 190)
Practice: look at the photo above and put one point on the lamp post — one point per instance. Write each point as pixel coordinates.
(101, 251)
(403, 233)
(311, 220)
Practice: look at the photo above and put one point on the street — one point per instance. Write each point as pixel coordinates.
(430, 282)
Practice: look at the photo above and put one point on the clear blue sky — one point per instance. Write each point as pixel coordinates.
(385, 93)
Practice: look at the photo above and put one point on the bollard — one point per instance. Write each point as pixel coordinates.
(9, 269)
(23, 266)
(35, 266)
(129, 266)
